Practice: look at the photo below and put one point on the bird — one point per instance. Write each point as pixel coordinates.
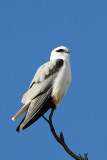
(47, 88)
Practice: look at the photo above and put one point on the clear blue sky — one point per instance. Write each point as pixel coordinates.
(29, 30)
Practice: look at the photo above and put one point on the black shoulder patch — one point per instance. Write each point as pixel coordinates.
(59, 63)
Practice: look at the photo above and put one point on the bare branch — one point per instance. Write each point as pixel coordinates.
(60, 139)
(45, 118)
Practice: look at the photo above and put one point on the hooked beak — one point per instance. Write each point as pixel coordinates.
(67, 51)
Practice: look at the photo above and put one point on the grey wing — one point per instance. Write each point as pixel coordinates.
(42, 79)
(36, 110)
(42, 85)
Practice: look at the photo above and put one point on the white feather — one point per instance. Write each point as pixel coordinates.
(63, 79)
(21, 111)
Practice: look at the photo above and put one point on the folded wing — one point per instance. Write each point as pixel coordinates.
(42, 79)
(39, 92)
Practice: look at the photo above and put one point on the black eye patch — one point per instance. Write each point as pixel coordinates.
(60, 50)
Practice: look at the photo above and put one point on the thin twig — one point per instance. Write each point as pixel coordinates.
(61, 140)
(45, 118)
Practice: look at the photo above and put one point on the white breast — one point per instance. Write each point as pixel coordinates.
(61, 82)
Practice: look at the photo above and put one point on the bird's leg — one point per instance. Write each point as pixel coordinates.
(53, 106)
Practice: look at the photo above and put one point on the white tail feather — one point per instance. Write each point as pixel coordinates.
(21, 111)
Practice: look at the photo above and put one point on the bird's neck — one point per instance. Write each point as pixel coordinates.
(59, 56)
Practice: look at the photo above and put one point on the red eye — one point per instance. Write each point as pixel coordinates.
(60, 50)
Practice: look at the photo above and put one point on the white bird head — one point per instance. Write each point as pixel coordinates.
(60, 52)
